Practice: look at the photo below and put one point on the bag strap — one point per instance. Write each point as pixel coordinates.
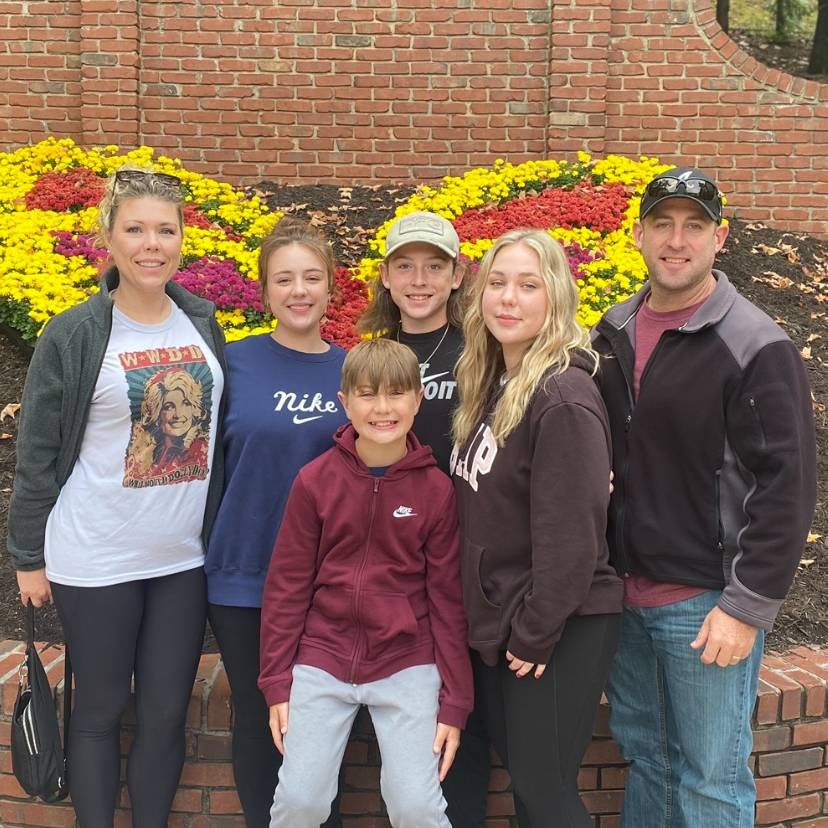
(30, 619)
(67, 675)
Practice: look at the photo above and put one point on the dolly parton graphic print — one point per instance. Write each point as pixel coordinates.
(170, 399)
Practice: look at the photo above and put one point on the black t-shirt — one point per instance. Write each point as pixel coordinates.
(432, 424)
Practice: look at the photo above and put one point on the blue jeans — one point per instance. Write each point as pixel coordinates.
(683, 725)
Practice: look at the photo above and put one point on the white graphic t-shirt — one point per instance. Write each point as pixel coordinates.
(134, 504)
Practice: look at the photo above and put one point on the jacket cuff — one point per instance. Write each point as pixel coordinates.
(28, 564)
(754, 609)
(452, 716)
(276, 692)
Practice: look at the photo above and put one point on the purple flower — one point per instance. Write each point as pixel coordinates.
(79, 244)
(578, 256)
(221, 283)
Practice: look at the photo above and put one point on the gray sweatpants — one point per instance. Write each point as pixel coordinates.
(403, 708)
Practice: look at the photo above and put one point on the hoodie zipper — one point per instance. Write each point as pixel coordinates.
(358, 582)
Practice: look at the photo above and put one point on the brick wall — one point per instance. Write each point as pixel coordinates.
(790, 757)
(347, 90)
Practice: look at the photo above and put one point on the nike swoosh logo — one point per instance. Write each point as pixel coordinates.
(433, 377)
(297, 420)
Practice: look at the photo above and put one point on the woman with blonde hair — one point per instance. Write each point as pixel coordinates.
(530, 465)
(121, 552)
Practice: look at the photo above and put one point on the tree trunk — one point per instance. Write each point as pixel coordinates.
(781, 20)
(723, 14)
(819, 51)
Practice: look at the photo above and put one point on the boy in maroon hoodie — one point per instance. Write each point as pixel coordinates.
(363, 605)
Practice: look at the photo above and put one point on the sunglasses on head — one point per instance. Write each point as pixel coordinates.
(131, 176)
(702, 190)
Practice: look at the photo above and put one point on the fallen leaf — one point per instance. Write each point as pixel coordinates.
(791, 253)
(813, 537)
(774, 280)
(812, 337)
(806, 352)
(9, 411)
(766, 249)
(4, 436)
(807, 562)
(755, 226)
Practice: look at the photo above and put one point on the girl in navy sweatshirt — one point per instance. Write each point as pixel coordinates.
(530, 465)
(282, 411)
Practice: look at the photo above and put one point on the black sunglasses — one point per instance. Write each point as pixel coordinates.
(131, 176)
(702, 190)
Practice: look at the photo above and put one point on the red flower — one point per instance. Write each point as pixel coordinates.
(348, 301)
(73, 190)
(600, 208)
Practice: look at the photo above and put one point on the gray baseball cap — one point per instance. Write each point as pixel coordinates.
(423, 227)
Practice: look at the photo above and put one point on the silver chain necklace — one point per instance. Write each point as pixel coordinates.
(431, 355)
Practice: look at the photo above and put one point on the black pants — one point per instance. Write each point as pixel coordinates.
(152, 628)
(541, 727)
(256, 761)
(466, 786)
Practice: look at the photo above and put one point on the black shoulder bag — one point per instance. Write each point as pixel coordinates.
(38, 756)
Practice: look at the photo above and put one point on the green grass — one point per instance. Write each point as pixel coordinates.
(759, 16)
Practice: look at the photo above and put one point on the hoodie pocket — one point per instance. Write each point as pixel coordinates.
(389, 622)
(484, 616)
(329, 622)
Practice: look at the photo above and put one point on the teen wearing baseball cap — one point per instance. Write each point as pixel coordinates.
(418, 300)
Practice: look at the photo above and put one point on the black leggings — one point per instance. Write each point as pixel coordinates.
(153, 628)
(256, 761)
(541, 727)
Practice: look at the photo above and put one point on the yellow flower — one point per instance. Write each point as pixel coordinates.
(36, 282)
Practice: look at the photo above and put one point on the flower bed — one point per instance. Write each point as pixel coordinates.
(49, 260)
(588, 205)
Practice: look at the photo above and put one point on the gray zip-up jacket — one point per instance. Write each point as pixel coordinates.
(55, 408)
(715, 462)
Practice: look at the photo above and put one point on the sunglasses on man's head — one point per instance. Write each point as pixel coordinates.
(702, 190)
(131, 176)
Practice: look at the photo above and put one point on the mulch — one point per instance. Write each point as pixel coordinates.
(784, 273)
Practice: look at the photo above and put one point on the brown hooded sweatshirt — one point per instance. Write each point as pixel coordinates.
(533, 517)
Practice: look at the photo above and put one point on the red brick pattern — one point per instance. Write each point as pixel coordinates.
(321, 90)
(790, 757)
(674, 85)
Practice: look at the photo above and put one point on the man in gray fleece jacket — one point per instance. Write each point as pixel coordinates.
(714, 459)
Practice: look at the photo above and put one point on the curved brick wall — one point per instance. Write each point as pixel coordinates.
(790, 757)
(340, 90)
